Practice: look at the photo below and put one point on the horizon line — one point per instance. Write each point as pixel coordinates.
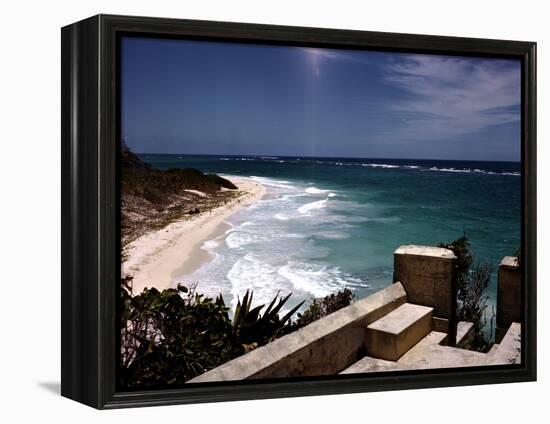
(324, 157)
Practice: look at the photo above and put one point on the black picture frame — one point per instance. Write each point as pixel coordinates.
(90, 209)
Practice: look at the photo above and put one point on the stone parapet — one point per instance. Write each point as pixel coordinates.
(429, 278)
(509, 295)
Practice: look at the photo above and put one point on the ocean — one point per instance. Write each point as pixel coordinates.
(330, 223)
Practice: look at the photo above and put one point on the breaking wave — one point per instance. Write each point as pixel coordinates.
(308, 207)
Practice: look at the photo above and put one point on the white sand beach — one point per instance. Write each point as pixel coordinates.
(154, 258)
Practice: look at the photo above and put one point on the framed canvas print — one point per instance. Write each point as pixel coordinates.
(254, 211)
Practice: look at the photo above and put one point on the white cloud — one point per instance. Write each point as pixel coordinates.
(451, 96)
(442, 96)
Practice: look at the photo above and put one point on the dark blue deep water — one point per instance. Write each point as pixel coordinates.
(328, 223)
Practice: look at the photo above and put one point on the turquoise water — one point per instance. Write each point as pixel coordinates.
(329, 223)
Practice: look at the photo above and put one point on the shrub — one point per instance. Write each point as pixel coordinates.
(474, 304)
(472, 283)
(320, 308)
(252, 329)
(171, 336)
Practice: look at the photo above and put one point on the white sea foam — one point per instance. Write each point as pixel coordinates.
(331, 194)
(311, 250)
(210, 244)
(308, 207)
(465, 171)
(249, 271)
(341, 220)
(272, 183)
(290, 196)
(270, 180)
(294, 235)
(475, 170)
(281, 217)
(315, 190)
(306, 278)
(354, 219)
(333, 235)
(319, 280)
(380, 165)
(435, 168)
(237, 239)
(252, 273)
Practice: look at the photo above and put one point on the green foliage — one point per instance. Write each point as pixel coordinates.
(151, 198)
(129, 160)
(320, 308)
(253, 329)
(171, 336)
(474, 304)
(138, 172)
(472, 282)
(464, 261)
(154, 185)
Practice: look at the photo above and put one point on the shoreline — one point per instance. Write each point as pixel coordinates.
(154, 258)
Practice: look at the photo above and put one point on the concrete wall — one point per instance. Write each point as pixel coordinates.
(324, 347)
(427, 275)
(509, 295)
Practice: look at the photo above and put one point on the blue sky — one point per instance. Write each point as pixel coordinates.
(199, 97)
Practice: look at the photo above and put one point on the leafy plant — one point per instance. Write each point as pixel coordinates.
(171, 336)
(322, 307)
(253, 329)
(472, 283)
(153, 198)
(474, 304)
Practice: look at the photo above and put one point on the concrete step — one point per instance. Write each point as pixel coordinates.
(393, 335)
(493, 350)
(464, 332)
(429, 353)
(370, 364)
(509, 349)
